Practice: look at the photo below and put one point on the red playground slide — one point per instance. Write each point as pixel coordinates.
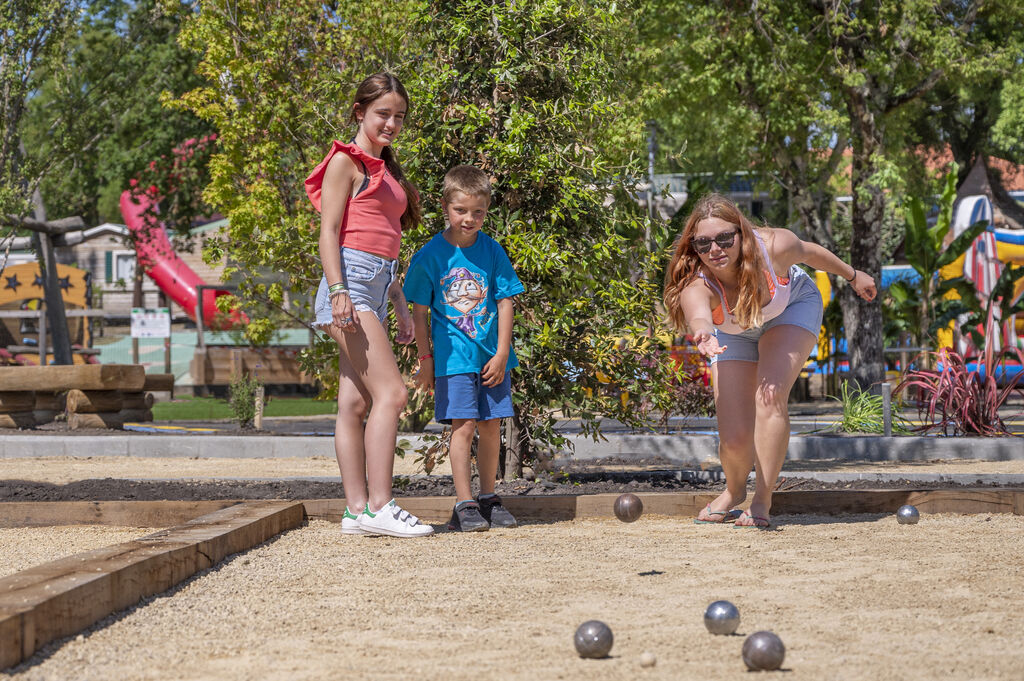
(157, 258)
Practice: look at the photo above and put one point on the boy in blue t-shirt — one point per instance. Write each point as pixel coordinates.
(465, 280)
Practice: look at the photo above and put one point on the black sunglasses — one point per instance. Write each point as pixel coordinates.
(724, 240)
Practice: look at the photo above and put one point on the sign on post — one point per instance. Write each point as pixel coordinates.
(151, 323)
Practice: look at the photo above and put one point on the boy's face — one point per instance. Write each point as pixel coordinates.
(466, 216)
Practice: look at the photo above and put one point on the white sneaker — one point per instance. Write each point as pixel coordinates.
(393, 521)
(350, 523)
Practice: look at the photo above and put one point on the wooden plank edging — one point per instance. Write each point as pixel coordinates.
(157, 514)
(437, 510)
(62, 597)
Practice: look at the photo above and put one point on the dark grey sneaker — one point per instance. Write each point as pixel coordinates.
(496, 514)
(467, 518)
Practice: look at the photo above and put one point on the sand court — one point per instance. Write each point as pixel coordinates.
(853, 597)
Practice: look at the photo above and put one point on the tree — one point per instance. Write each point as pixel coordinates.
(528, 91)
(790, 88)
(97, 112)
(34, 32)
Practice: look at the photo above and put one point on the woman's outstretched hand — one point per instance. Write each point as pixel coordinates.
(863, 285)
(707, 344)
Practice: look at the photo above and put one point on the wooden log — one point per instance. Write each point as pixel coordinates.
(159, 382)
(94, 401)
(108, 420)
(18, 419)
(76, 376)
(17, 400)
(135, 400)
(60, 598)
(156, 514)
(51, 401)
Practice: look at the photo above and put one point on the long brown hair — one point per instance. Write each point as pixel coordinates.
(372, 88)
(685, 264)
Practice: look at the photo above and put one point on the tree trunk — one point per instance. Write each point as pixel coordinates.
(56, 319)
(515, 450)
(861, 318)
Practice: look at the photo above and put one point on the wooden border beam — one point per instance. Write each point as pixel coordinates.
(158, 514)
(59, 598)
(824, 502)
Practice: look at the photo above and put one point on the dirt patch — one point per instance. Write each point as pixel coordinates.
(572, 482)
(855, 597)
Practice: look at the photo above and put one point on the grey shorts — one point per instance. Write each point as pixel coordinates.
(367, 278)
(804, 310)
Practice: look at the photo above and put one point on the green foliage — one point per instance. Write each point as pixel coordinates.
(921, 311)
(94, 120)
(35, 33)
(863, 413)
(787, 88)
(243, 393)
(528, 91)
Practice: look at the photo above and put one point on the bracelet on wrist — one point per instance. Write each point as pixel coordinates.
(427, 356)
(850, 280)
(336, 287)
(337, 292)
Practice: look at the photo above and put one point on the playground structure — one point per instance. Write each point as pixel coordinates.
(23, 337)
(213, 366)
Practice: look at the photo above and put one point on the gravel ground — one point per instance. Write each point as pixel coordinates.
(64, 469)
(25, 547)
(858, 597)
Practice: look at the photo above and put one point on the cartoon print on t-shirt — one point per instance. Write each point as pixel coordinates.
(466, 292)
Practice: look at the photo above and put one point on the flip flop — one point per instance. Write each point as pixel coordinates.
(726, 516)
(760, 522)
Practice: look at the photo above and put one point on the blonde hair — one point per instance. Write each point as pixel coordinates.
(685, 264)
(468, 180)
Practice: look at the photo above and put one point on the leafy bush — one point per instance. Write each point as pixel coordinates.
(242, 399)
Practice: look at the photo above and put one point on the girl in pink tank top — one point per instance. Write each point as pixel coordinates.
(364, 202)
(758, 329)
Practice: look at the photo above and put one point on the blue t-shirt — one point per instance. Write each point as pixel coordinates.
(462, 287)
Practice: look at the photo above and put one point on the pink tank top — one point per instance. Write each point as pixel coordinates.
(778, 289)
(373, 217)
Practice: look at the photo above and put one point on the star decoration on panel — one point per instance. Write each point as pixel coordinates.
(64, 283)
(13, 283)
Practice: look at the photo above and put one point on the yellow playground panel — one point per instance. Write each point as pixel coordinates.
(21, 289)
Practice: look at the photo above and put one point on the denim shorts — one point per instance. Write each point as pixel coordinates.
(464, 396)
(367, 278)
(804, 310)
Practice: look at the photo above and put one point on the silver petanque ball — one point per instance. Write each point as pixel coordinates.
(628, 507)
(907, 515)
(593, 639)
(722, 617)
(763, 651)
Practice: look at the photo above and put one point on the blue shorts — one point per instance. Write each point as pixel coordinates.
(804, 310)
(463, 396)
(367, 278)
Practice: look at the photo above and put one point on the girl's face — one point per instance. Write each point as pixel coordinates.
(722, 241)
(382, 119)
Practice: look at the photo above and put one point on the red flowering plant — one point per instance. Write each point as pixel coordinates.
(961, 400)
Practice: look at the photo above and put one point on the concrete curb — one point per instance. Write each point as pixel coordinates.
(685, 450)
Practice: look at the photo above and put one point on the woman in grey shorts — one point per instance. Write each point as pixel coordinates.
(756, 315)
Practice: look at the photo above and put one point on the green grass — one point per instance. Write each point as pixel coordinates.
(203, 408)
